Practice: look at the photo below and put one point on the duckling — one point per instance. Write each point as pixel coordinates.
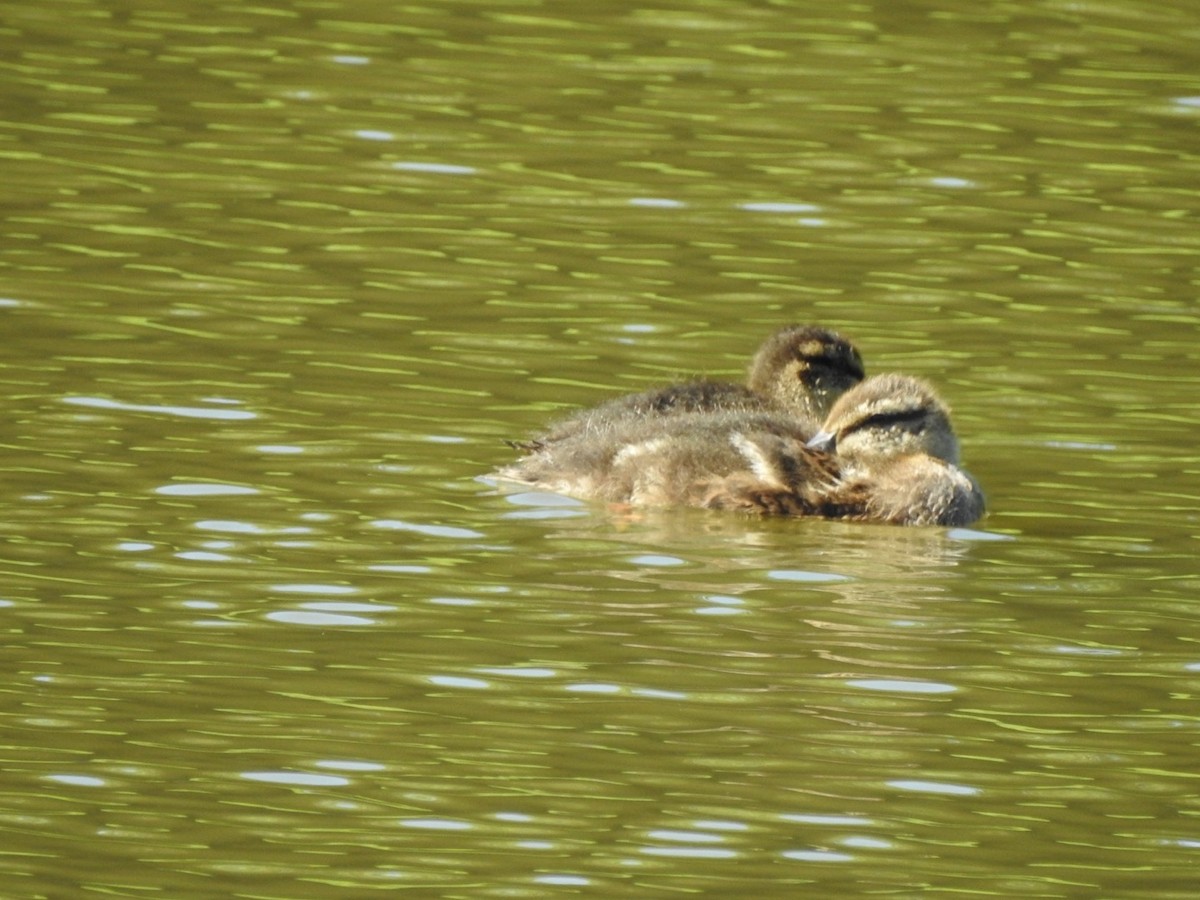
(887, 453)
(899, 457)
(800, 370)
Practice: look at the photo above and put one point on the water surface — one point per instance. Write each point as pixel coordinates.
(278, 282)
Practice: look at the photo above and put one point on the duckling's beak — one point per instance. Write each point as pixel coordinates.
(824, 441)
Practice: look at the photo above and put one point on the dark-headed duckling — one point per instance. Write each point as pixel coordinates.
(799, 370)
(803, 369)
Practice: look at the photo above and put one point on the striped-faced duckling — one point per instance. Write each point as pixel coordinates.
(800, 371)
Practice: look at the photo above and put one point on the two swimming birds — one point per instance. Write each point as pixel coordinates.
(805, 436)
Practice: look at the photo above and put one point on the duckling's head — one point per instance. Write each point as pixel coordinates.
(805, 369)
(888, 416)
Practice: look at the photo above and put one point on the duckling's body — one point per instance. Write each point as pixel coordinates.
(654, 405)
(911, 490)
(720, 459)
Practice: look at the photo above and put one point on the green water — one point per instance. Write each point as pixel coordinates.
(277, 281)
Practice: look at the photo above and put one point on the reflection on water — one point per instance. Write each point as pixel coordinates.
(280, 280)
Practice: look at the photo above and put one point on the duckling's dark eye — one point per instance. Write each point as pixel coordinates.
(914, 418)
(825, 365)
(885, 420)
